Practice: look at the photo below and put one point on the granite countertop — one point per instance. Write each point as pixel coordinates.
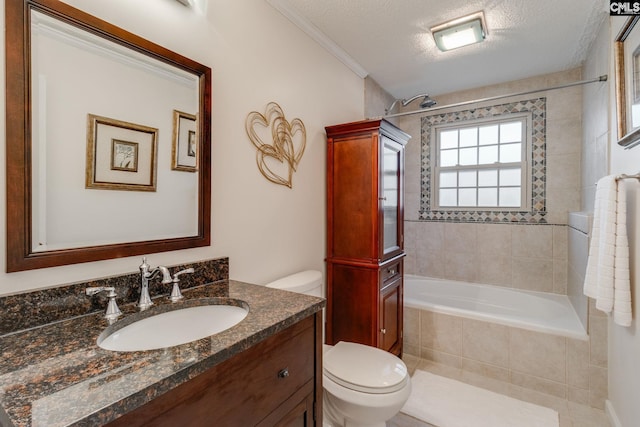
(56, 375)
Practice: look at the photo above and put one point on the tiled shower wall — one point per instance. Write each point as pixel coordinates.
(532, 257)
(579, 226)
(526, 256)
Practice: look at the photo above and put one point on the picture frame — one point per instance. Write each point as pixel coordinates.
(120, 155)
(124, 155)
(627, 82)
(185, 149)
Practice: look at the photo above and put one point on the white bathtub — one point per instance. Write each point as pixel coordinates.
(536, 311)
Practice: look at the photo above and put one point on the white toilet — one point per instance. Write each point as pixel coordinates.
(363, 385)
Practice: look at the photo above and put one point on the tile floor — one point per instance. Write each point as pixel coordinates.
(402, 420)
(571, 414)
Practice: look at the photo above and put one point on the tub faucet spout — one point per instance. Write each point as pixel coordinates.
(146, 274)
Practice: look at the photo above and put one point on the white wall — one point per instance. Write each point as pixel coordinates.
(624, 343)
(257, 56)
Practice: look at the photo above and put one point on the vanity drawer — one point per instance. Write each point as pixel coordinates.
(279, 372)
(242, 391)
(390, 272)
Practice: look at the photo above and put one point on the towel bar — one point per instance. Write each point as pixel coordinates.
(625, 176)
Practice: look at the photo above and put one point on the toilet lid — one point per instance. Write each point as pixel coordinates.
(364, 368)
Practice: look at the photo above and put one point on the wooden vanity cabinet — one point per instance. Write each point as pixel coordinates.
(277, 382)
(365, 233)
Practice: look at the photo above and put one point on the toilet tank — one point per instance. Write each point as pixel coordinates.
(307, 282)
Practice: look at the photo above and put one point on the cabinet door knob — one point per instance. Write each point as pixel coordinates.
(383, 330)
(283, 373)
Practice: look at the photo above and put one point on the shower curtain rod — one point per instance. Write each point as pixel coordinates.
(602, 78)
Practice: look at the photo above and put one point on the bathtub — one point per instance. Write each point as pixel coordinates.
(535, 311)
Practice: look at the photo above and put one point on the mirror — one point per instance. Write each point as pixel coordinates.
(107, 141)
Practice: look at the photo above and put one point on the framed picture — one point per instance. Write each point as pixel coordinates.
(124, 155)
(184, 152)
(120, 155)
(627, 75)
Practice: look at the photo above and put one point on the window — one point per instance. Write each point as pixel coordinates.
(482, 164)
(487, 187)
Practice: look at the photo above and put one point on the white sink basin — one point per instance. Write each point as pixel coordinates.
(172, 328)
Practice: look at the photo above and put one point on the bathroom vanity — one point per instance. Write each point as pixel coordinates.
(271, 383)
(365, 248)
(264, 371)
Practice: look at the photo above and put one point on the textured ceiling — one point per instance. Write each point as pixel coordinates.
(390, 39)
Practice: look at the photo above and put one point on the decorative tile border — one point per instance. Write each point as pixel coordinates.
(538, 108)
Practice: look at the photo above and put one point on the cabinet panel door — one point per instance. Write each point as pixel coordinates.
(391, 197)
(297, 411)
(391, 317)
(352, 304)
(354, 198)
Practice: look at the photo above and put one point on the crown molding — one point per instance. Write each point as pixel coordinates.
(314, 32)
(70, 35)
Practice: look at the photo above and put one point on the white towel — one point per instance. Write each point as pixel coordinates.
(607, 277)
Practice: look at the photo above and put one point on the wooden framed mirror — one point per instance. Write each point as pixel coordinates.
(90, 131)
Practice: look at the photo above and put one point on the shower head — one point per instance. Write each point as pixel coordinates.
(425, 103)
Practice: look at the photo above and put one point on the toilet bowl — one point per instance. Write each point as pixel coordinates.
(363, 385)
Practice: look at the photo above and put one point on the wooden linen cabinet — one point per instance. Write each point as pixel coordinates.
(365, 250)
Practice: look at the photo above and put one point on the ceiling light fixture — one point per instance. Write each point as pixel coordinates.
(460, 32)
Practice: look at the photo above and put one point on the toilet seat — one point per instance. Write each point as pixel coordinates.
(364, 368)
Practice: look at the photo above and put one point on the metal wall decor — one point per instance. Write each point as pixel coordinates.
(277, 161)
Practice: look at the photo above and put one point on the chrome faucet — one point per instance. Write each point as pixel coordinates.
(146, 274)
(113, 312)
(176, 295)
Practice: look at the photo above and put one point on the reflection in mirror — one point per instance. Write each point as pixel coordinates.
(96, 178)
(89, 75)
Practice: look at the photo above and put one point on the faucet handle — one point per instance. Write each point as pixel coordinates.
(176, 295)
(186, 270)
(113, 312)
(95, 290)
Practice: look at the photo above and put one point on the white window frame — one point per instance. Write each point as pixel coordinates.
(525, 164)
